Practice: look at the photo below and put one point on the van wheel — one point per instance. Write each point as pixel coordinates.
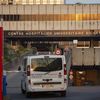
(63, 93)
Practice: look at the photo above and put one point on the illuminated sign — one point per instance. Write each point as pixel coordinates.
(49, 33)
(25, 33)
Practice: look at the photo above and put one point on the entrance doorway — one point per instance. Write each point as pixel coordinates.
(86, 77)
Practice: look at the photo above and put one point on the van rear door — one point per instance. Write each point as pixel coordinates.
(47, 71)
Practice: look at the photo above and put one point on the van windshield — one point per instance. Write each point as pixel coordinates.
(46, 65)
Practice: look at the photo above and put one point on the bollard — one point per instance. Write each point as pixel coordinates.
(4, 85)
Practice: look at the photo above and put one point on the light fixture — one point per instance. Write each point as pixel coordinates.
(80, 72)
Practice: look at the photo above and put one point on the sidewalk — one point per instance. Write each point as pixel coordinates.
(6, 98)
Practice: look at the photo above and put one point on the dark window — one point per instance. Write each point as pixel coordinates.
(4, 17)
(46, 64)
(1, 17)
(11, 17)
(7, 17)
(16, 17)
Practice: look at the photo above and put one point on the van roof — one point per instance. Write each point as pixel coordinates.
(32, 56)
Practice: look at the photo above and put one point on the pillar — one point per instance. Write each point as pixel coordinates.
(1, 61)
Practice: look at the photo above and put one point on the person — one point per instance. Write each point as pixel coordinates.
(4, 83)
(19, 68)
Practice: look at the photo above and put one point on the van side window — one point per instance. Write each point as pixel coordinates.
(25, 64)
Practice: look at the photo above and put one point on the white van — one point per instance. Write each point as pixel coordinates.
(44, 73)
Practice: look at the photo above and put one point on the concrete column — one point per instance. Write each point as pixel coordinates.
(91, 43)
(29, 45)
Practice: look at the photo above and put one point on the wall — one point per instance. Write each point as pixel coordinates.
(86, 56)
(51, 17)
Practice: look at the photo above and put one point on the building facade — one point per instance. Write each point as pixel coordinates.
(24, 19)
(82, 18)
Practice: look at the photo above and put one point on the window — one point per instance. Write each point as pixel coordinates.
(11, 17)
(46, 64)
(16, 17)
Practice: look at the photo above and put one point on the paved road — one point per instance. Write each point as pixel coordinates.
(73, 93)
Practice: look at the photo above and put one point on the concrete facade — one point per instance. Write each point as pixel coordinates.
(84, 19)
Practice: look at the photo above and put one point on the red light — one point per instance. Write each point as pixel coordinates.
(64, 65)
(28, 70)
(65, 71)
